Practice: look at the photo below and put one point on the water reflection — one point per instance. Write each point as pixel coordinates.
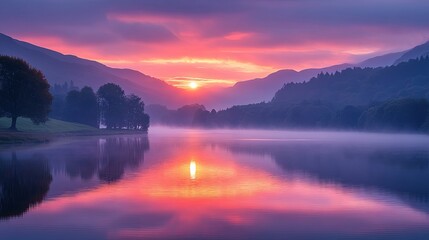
(26, 175)
(401, 169)
(23, 184)
(229, 185)
(117, 154)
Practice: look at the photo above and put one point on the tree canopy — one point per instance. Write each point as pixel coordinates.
(24, 91)
(112, 105)
(120, 111)
(82, 107)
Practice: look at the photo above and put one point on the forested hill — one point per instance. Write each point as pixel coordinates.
(361, 86)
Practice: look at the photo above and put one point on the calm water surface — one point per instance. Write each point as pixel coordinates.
(217, 184)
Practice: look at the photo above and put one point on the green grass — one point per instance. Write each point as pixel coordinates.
(51, 126)
(31, 133)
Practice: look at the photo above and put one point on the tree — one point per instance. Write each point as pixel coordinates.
(57, 107)
(82, 107)
(24, 91)
(348, 117)
(136, 118)
(402, 114)
(89, 107)
(72, 105)
(112, 105)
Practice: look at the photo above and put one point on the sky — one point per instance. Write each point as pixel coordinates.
(218, 42)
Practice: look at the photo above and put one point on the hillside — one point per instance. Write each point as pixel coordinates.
(393, 98)
(418, 51)
(60, 68)
(361, 86)
(262, 89)
(381, 61)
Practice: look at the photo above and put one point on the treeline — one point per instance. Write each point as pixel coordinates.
(188, 115)
(108, 106)
(388, 99)
(406, 114)
(361, 86)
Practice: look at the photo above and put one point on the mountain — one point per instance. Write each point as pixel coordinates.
(59, 68)
(263, 89)
(416, 52)
(361, 86)
(381, 61)
(393, 98)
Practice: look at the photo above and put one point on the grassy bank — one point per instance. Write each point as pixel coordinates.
(30, 133)
(51, 126)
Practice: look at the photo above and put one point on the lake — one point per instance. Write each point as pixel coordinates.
(217, 184)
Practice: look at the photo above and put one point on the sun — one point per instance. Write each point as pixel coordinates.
(193, 85)
(193, 169)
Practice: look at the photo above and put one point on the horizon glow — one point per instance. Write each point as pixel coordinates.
(218, 43)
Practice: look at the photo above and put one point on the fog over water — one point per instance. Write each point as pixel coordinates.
(218, 184)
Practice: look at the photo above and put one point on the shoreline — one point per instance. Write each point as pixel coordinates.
(10, 137)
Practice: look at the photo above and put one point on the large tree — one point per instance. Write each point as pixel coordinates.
(112, 105)
(24, 91)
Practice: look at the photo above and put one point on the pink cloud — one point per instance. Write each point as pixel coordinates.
(152, 36)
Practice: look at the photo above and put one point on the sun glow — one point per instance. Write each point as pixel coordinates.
(193, 85)
(193, 169)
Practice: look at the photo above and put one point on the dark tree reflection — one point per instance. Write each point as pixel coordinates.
(105, 158)
(84, 167)
(23, 184)
(25, 178)
(116, 154)
(82, 161)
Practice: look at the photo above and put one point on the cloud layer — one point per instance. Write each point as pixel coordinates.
(224, 39)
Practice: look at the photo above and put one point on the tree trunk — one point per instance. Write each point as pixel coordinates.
(13, 125)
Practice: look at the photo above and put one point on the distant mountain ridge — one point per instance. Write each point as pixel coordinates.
(381, 61)
(263, 89)
(361, 86)
(60, 68)
(416, 52)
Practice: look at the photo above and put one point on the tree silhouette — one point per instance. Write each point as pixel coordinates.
(24, 91)
(402, 114)
(89, 107)
(136, 118)
(72, 106)
(112, 105)
(117, 154)
(82, 107)
(23, 184)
